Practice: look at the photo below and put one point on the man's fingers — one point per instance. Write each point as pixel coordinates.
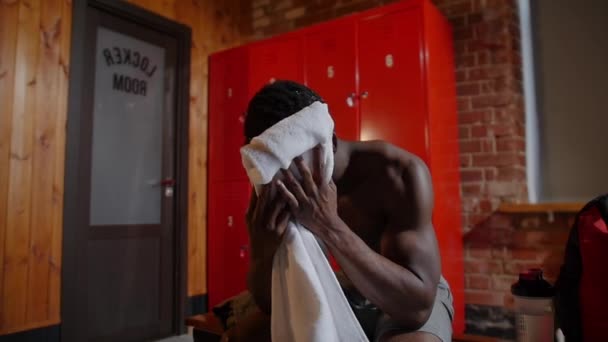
(287, 195)
(307, 180)
(277, 207)
(282, 222)
(318, 164)
(294, 186)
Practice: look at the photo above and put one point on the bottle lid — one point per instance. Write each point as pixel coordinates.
(532, 284)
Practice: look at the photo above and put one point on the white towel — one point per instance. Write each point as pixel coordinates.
(308, 304)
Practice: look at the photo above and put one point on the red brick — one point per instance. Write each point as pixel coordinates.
(479, 131)
(486, 206)
(460, 47)
(470, 146)
(464, 104)
(477, 74)
(482, 266)
(458, 8)
(475, 117)
(525, 254)
(484, 253)
(471, 189)
(467, 89)
(487, 145)
(516, 267)
(480, 297)
(463, 33)
(465, 160)
(490, 174)
(503, 283)
(461, 76)
(464, 132)
(502, 188)
(471, 175)
(477, 219)
(501, 130)
(477, 282)
(474, 18)
(458, 21)
(495, 159)
(508, 144)
(511, 174)
(485, 101)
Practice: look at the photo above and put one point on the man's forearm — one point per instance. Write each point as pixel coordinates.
(396, 290)
(259, 282)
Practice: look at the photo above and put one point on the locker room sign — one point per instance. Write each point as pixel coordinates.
(129, 61)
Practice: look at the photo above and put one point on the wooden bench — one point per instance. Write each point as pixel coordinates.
(207, 328)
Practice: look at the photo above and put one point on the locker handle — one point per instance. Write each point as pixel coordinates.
(243, 250)
(350, 100)
(364, 94)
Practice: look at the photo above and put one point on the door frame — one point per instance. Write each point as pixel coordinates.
(74, 237)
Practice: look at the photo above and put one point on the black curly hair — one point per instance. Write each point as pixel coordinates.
(273, 103)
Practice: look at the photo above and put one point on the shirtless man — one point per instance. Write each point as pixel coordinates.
(374, 217)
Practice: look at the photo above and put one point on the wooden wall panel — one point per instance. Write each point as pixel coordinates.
(17, 256)
(34, 40)
(8, 39)
(34, 63)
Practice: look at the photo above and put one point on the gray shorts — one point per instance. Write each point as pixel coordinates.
(376, 324)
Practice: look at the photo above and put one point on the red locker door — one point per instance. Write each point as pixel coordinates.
(217, 110)
(331, 72)
(228, 242)
(275, 59)
(236, 103)
(391, 80)
(228, 97)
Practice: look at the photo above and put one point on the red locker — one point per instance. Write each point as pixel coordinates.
(390, 76)
(228, 98)
(331, 71)
(275, 59)
(228, 240)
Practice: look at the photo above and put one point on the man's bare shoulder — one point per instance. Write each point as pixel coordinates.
(397, 160)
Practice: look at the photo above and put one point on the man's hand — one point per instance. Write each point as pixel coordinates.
(312, 200)
(267, 220)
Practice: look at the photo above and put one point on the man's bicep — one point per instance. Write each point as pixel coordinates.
(415, 250)
(413, 210)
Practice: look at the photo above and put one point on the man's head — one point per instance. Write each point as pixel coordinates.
(274, 103)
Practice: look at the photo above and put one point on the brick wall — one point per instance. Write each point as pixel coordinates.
(491, 121)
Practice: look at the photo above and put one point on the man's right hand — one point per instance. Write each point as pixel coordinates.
(267, 218)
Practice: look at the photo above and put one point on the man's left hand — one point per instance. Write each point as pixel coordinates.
(313, 200)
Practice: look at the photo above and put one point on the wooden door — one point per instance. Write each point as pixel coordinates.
(391, 80)
(123, 258)
(330, 51)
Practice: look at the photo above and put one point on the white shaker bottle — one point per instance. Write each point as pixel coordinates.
(534, 314)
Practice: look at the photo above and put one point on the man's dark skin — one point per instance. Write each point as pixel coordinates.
(374, 216)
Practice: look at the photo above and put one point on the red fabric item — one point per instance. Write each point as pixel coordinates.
(593, 240)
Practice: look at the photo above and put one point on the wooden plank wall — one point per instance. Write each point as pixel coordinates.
(34, 57)
(34, 64)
